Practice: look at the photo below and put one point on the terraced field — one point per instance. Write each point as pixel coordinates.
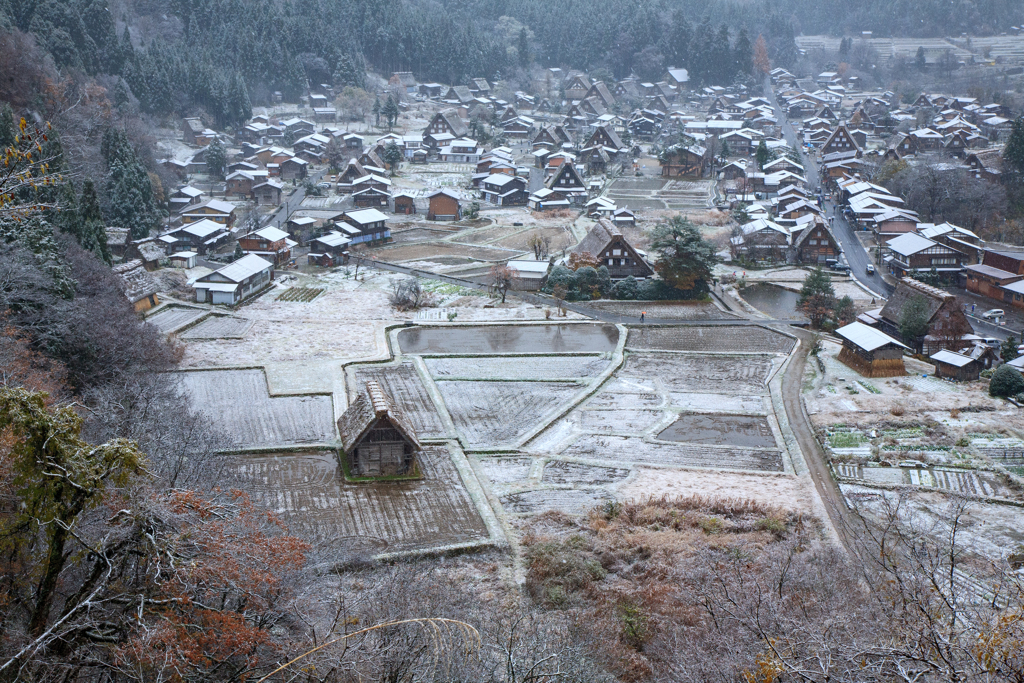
(491, 413)
(173, 317)
(628, 449)
(720, 374)
(746, 339)
(239, 402)
(403, 384)
(218, 327)
(309, 493)
(534, 368)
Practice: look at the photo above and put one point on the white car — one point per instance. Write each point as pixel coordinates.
(993, 313)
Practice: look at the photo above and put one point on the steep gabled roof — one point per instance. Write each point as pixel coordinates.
(908, 288)
(366, 410)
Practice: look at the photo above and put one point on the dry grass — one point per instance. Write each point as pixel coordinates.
(622, 567)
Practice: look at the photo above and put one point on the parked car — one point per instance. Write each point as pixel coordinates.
(871, 269)
(993, 313)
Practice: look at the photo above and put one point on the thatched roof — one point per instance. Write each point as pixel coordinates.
(908, 288)
(136, 281)
(365, 411)
(598, 239)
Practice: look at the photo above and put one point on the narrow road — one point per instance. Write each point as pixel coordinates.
(817, 463)
(292, 202)
(856, 255)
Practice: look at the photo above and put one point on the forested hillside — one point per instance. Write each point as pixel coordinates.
(224, 55)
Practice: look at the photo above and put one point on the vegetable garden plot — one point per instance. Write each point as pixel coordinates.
(300, 294)
(537, 367)
(218, 327)
(308, 492)
(746, 375)
(729, 339)
(488, 414)
(631, 449)
(403, 384)
(173, 317)
(559, 472)
(238, 401)
(570, 501)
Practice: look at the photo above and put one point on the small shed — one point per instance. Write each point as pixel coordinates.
(956, 366)
(444, 206)
(871, 352)
(183, 259)
(376, 437)
(405, 203)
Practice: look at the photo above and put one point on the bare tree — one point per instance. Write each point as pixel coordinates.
(503, 278)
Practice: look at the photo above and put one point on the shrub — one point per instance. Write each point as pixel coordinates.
(711, 525)
(625, 289)
(773, 525)
(1006, 381)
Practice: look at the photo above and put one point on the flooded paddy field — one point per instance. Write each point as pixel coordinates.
(501, 339)
(239, 402)
(721, 430)
(773, 300)
(309, 493)
(536, 368)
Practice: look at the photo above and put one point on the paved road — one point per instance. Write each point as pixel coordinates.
(292, 202)
(856, 255)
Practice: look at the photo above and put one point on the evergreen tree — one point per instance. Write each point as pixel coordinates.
(523, 46)
(390, 112)
(129, 187)
(94, 229)
(919, 59)
(913, 323)
(1008, 349)
(216, 159)
(743, 54)
(817, 297)
(762, 155)
(685, 258)
(1013, 153)
(393, 156)
(376, 111)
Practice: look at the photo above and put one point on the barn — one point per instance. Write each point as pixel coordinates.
(376, 436)
(956, 366)
(871, 352)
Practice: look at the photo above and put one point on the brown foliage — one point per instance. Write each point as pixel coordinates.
(582, 260)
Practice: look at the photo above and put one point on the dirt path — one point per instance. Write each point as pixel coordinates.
(828, 490)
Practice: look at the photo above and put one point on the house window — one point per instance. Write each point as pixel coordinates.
(813, 242)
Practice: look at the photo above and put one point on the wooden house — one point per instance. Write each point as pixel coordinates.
(816, 244)
(504, 190)
(761, 240)
(235, 282)
(947, 323)
(444, 206)
(841, 140)
(201, 236)
(212, 209)
(376, 437)
(606, 137)
(871, 352)
(195, 133)
(956, 366)
(271, 243)
(365, 225)
(328, 250)
(294, 168)
(269, 193)
(606, 243)
(567, 180)
(446, 122)
(684, 162)
(405, 204)
(912, 253)
(138, 285)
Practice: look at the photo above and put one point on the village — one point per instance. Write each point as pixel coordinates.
(386, 418)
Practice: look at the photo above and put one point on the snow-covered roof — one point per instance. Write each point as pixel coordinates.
(203, 228)
(867, 338)
(951, 358)
(364, 216)
(245, 267)
(271, 234)
(333, 239)
(909, 244)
